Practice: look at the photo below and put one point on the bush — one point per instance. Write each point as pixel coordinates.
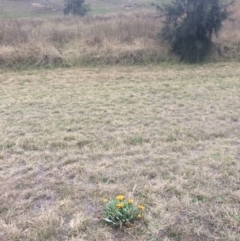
(75, 7)
(190, 24)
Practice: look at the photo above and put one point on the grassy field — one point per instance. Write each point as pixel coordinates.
(40, 8)
(167, 135)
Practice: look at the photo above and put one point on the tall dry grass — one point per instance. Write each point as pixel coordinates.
(72, 41)
(119, 39)
(228, 41)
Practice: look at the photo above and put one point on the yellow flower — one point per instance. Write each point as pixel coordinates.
(105, 200)
(130, 201)
(141, 207)
(120, 205)
(120, 197)
(139, 216)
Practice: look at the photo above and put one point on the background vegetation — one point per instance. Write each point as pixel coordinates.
(111, 39)
(189, 26)
(75, 7)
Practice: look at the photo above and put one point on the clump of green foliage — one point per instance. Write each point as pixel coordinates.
(75, 7)
(190, 24)
(119, 211)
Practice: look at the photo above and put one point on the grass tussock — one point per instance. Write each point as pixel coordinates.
(166, 136)
(119, 39)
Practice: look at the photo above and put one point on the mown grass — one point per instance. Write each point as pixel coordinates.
(166, 135)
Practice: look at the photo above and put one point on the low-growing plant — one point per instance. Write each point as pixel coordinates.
(120, 211)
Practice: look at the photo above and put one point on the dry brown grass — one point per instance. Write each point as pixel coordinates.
(71, 41)
(229, 37)
(117, 39)
(167, 135)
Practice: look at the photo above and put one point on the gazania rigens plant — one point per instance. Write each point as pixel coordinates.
(120, 211)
